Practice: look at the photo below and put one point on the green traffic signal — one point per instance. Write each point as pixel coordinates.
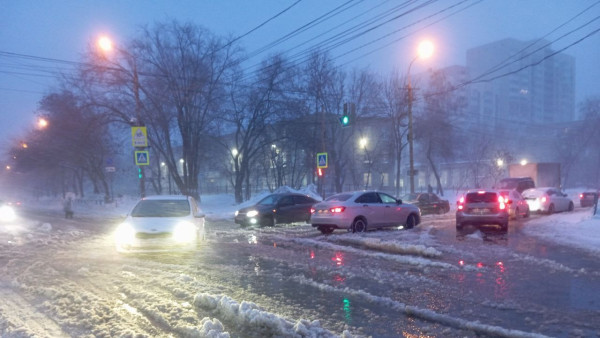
(345, 120)
(140, 173)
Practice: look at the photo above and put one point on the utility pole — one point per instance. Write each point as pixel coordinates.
(410, 138)
(138, 123)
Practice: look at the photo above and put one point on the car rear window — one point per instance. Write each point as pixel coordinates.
(161, 208)
(338, 198)
(533, 193)
(486, 197)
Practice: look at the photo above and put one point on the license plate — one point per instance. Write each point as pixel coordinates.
(481, 210)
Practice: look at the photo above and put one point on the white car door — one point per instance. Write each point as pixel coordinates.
(369, 205)
(395, 214)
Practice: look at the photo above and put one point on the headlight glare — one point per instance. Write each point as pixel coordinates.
(252, 213)
(7, 214)
(124, 234)
(184, 232)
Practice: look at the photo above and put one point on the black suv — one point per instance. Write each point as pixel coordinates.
(519, 184)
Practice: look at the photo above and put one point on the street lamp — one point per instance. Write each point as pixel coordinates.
(363, 142)
(425, 50)
(105, 46)
(42, 123)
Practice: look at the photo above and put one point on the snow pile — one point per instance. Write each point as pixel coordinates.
(310, 190)
(414, 261)
(250, 315)
(577, 229)
(389, 246)
(46, 227)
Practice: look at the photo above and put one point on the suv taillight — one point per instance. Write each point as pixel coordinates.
(461, 203)
(501, 202)
(312, 210)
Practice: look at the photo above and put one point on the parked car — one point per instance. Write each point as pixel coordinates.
(283, 208)
(548, 200)
(158, 223)
(588, 198)
(429, 203)
(517, 205)
(482, 207)
(360, 211)
(520, 184)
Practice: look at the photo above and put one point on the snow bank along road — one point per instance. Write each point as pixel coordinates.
(62, 278)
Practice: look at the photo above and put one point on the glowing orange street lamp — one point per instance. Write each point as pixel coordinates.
(105, 44)
(425, 50)
(42, 123)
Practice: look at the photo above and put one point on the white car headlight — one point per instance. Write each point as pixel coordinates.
(237, 212)
(7, 214)
(124, 234)
(252, 213)
(184, 232)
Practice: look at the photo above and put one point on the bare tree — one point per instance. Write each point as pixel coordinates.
(74, 145)
(394, 102)
(254, 112)
(170, 79)
(434, 128)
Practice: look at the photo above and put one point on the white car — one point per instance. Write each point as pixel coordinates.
(158, 223)
(360, 211)
(547, 200)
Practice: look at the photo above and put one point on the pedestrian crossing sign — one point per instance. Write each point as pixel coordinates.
(321, 160)
(142, 158)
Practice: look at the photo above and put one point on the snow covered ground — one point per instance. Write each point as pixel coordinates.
(579, 229)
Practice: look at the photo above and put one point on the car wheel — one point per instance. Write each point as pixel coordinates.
(528, 213)
(571, 206)
(326, 230)
(459, 225)
(517, 215)
(411, 221)
(504, 226)
(551, 209)
(441, 211)
(359, 225)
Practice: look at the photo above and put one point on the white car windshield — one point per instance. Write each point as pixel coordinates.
(161, 208)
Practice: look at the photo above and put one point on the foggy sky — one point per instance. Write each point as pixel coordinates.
(62, 30)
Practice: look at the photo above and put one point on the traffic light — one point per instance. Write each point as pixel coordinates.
(348, 112)
(320, 172)
(140, 173)
(345, 120)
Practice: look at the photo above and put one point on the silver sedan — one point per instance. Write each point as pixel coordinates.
(359, 211)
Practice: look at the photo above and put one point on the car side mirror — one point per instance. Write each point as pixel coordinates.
(398, 202)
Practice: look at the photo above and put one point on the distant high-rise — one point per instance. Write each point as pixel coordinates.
(527, 88)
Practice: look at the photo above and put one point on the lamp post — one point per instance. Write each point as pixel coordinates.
(106, 47)
(424, 51)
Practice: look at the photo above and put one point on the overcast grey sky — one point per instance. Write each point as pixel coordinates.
(63, 29)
